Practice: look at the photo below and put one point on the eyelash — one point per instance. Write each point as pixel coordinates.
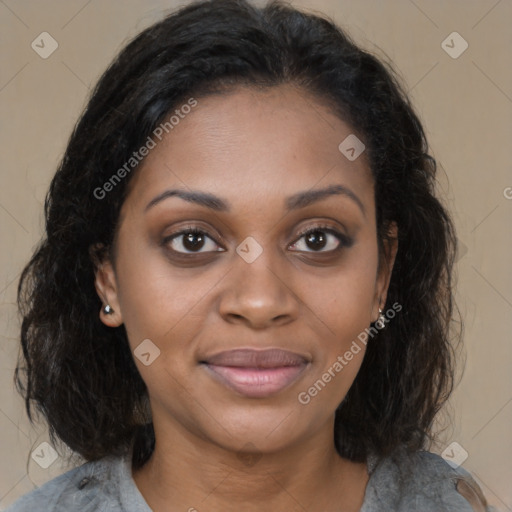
(344, 241)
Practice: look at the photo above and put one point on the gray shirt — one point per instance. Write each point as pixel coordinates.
(403, 482)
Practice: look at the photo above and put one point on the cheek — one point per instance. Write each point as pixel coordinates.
(342, 306)
(159, 301)
(342, 342)
(166, 309)
(144, 290)
(344, 298)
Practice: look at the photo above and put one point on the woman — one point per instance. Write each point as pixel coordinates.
(248, 203)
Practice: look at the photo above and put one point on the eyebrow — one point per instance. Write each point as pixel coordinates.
(303, 199)
(294, 202)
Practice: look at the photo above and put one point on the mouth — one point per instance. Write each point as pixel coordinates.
(256, 373)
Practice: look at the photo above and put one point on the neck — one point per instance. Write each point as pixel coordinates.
(189, 473)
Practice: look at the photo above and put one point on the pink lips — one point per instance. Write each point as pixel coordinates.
(256, 373)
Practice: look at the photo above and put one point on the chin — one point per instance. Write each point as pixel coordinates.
(262, 430)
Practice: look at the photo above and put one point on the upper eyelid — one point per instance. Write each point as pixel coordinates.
(302, 232)
(319, 227)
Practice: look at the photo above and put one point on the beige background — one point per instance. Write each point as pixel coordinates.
(466, 106)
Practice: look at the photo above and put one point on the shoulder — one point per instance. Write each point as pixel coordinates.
(88, 487)
(421, 481)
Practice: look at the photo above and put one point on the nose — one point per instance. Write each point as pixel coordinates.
(258, 295)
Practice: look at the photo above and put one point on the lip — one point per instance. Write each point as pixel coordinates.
(256, 373)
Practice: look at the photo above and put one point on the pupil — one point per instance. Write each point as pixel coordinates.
(316, 239)
(193, 241)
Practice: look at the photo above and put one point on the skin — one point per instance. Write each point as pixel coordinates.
(215, 448)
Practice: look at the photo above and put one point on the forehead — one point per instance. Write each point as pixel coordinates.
(252, 145)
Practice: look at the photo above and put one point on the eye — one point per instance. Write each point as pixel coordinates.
(191, 241)
(321, 239)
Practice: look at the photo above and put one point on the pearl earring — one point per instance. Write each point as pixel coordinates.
(108, 310)
(381, 321)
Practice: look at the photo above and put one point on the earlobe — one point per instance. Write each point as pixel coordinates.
(106, 288)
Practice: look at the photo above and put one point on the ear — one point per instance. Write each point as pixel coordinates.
(106, 285)
(386, 263)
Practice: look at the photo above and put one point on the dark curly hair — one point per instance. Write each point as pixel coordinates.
(80, 374)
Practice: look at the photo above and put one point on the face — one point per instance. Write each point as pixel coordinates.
(247, 255)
